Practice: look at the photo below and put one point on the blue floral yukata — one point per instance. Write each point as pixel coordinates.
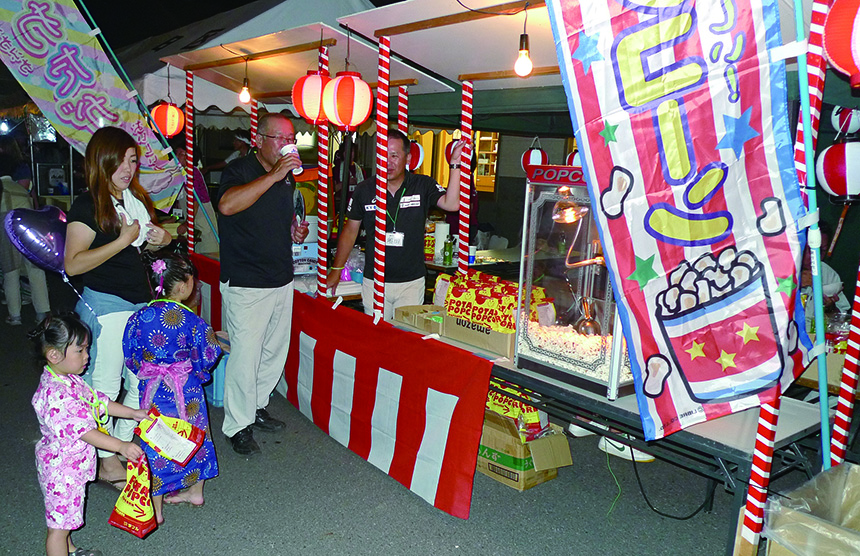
(167, 335)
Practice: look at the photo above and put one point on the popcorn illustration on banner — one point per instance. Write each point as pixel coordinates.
(718, 363)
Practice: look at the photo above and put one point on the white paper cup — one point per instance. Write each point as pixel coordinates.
(287, 149)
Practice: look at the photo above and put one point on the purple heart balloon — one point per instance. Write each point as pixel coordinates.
(39, 234)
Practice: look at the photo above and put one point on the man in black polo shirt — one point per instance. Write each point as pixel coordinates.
(409, 199)
(258, 228)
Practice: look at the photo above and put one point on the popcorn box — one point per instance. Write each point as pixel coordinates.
(505, 458)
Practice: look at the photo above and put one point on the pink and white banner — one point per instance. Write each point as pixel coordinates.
(413, 408)
(56, 57)
(680, 114)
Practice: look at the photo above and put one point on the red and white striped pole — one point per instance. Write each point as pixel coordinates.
(254, 109)
(403, 110)
(465, 183)
(189, 159)
(381, 173)
(322, 190)
(817, 68)
(753, 518)
(848, 386)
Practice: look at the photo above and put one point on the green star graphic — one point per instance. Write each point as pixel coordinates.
(785, 285)
(608, 132)
(644, 271)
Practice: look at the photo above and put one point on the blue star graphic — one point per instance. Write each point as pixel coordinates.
(738, 132)
(587, 51)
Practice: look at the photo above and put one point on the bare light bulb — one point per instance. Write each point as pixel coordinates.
(523, 65)
(245, 94)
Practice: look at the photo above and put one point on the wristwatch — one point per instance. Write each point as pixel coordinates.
(452, 166)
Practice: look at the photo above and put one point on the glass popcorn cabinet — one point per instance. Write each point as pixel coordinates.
(567, 327)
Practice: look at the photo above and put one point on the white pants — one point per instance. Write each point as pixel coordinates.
(12, 262)
(108, 371)
(396, 295)
(259, 321)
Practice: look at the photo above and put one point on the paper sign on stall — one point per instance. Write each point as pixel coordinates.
(172, 438)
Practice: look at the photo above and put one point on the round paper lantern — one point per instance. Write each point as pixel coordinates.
(841, 50)
(573, 159)
(169, 118)
(534, 156)
(347, 100)
(845, 120)
(838, 171)
(416, 153)
(308, 96)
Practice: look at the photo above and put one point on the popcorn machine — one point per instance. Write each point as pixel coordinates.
(571, 331)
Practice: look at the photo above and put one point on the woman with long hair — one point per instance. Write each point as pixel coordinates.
(107, 228)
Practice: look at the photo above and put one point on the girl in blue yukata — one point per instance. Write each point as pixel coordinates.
(171, 350)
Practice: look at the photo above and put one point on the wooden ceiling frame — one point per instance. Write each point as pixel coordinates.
(286, 94)
(294, 49)
(507, 74)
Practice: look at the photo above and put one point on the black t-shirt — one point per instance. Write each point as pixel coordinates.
(256, 243)
(407, 210)
(123, 275)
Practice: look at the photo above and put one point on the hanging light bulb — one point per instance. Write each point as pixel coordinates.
(245, 94)
(523, 65)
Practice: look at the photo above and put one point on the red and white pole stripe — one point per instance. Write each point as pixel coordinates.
(322, 190)
(254, 109)
(189, 160)
(403, 110)
(760, 474)
(848, 387)
(465, 182)
(817, 68)
(381, 172)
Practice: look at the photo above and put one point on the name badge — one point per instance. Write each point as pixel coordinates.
(394, 239)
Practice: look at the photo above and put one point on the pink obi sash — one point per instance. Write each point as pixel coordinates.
(174, 375)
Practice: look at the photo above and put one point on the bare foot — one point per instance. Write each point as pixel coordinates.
(183, 497)
(111, 469)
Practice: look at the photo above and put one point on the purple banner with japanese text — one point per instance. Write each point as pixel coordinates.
(681, 118)
(56, 57)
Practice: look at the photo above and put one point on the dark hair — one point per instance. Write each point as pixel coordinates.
(397, 135)
(104, 155)
(58, 332)
(177, 268)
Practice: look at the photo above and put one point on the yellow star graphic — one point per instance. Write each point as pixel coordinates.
(726, 360)
(696, 351)
(749, 333)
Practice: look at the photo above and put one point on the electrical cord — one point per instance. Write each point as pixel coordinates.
(650, 505)
(493, 13)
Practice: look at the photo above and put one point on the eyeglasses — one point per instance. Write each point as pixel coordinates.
(280, 138)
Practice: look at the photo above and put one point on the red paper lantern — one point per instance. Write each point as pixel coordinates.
(169, 119)
(840, 49)
(308, 96)
(838, 171)
(347, 100)
(534, 156)
(845, 120)
(573, 159)
(416, 153)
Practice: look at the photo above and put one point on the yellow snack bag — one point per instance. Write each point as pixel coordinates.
(133, 510)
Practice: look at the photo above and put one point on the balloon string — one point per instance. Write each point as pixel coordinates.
(66, 280)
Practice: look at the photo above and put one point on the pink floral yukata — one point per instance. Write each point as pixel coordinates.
(65, 463)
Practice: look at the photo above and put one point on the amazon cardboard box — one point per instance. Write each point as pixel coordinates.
(478, 335)
(428, 318)
(504, 457)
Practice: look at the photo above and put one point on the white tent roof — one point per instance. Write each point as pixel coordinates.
(149, 75)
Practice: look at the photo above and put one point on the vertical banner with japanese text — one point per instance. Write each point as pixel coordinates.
(681, 118)
(56, 57)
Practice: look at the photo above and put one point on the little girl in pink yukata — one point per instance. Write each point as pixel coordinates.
(70, 415)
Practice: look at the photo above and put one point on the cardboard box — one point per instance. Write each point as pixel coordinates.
(479, 336)
(504, 457)
(428, 318)
(822, 516)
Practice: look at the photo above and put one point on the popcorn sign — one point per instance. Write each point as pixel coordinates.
(681, 120)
